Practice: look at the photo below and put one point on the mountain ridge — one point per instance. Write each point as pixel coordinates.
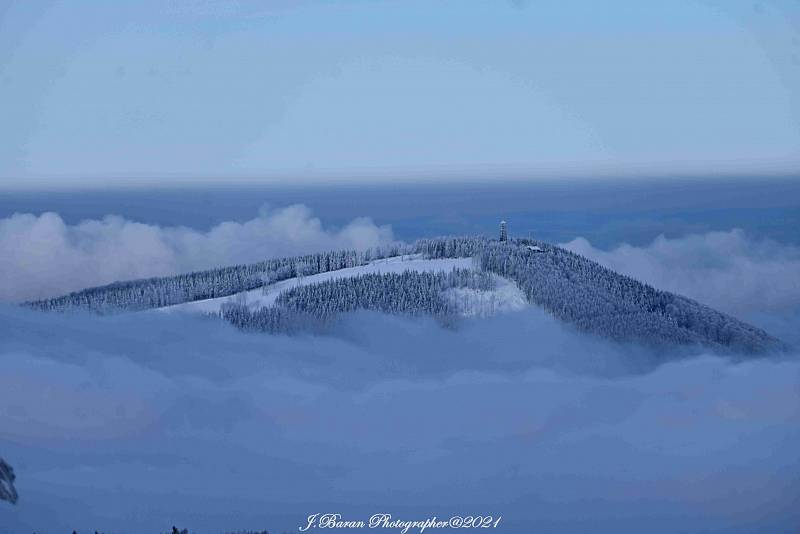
(574, 289)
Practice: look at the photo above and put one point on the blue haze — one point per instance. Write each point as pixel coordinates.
(606, 212)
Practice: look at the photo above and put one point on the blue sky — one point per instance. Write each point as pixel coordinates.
(118, 93)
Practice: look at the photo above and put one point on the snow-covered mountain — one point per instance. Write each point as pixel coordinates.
(503, 296)
(443, 277)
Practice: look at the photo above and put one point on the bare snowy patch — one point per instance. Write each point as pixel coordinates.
(505, 297)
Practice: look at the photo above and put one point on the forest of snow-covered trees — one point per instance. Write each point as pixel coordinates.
(134, 295)
(164, 291)
(313, 306)
(596, 299)
(569, 286)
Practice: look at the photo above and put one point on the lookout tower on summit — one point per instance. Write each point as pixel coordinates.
(503, 231)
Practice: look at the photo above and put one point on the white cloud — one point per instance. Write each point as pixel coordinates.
(729, 271)
(42, 256)
(142, 421)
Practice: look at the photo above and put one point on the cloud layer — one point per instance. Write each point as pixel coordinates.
(41, 256)
(134, 423)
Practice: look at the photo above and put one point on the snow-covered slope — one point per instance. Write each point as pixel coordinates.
(505, 297)
(475, 303)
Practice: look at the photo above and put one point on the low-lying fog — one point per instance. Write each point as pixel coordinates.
(136, 422)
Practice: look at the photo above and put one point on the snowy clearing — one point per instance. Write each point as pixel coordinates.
(506, 297)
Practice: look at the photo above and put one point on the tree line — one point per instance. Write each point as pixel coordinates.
(316, 306)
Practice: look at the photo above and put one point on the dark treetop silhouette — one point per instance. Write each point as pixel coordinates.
(7, 491)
